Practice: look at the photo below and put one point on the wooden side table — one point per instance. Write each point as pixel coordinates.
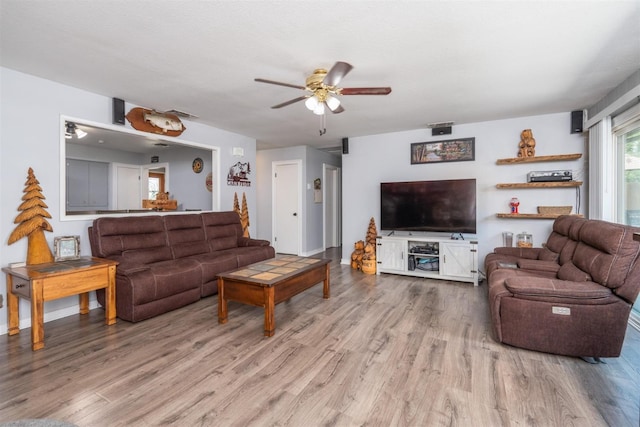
(45, 282)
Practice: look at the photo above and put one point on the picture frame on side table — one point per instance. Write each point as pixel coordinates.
(452, 150)
(66, 248)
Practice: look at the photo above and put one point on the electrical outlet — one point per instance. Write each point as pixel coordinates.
(565, 311)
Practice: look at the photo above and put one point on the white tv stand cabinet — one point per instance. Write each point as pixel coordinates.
(431, 257)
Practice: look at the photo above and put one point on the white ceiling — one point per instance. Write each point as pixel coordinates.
(461, 61)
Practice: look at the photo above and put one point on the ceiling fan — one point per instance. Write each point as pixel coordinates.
(324, 90)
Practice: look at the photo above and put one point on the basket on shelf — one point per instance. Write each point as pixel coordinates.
(554, 210)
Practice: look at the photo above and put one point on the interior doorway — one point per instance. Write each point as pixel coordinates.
(125, 195)
(287, 210)
(332, 212)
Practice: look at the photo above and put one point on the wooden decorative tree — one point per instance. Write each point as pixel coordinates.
(32, 222)
(369, 257)
(236, 204)
(372, 233)
(244, 216)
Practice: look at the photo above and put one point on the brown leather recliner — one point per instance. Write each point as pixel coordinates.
(577, 304)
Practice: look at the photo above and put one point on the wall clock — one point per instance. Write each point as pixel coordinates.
(197, 165)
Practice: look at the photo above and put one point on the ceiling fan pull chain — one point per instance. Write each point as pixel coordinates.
(323, 124)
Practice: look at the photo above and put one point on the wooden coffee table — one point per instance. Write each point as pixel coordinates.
(267, 283)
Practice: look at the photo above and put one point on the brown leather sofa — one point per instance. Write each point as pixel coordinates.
(571, 297)
(167, 262)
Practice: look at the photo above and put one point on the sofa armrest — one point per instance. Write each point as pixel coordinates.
(540, 288)
(126, 269)
(247, 241)
(538, 265)
(528, 253)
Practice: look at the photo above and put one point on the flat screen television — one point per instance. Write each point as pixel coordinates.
(435, 206)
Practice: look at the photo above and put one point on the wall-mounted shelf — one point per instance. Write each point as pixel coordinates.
(531, 216)
(557, 184)
(535, 159)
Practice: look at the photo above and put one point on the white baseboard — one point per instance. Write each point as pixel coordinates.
(49, 316)
(312, 252)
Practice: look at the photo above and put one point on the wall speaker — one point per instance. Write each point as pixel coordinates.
(345, 145)
(118, 111)
(444, 130)
(577, 121)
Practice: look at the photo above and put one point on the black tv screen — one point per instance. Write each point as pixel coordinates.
(436, 206)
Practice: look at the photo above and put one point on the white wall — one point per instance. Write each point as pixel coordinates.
(30, 110)
(382, 158)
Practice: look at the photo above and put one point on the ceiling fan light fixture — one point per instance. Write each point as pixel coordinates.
(319, 110)
(332, 102)
(311, 103)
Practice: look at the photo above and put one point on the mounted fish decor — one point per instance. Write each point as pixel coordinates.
(155, 122)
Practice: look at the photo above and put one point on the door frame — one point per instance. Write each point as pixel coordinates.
(301, 213)
(337, 203)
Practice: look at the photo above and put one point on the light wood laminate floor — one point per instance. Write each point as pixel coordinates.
(382, 351)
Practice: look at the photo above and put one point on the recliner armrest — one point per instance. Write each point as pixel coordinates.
(247, 241)
(539, 288)
(529, 253)
(538, 265)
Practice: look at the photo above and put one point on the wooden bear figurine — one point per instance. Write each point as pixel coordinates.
(527, 145)
(357, 254)
(369, 259)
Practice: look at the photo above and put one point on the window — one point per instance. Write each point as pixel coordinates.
(629, 175)
(627, 138)
(156, 184)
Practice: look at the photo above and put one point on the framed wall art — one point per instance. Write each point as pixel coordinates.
(453, 150)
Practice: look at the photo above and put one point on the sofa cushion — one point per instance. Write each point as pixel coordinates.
(547, 287)
(547, 254)
(569, 271)
(606, 251)
(222, 229)
(133, 240)
(186, 235)
(557, 239)
(215, 263)
(164, 279)
(569, 248)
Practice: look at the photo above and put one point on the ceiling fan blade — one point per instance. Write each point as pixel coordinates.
(337, 110)
(279, 83)
(292, 101)
(365, 91)
(336, 73)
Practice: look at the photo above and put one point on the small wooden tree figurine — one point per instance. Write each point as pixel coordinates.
(236, 204)
(32, 222)
(244, 216)
(372, 233)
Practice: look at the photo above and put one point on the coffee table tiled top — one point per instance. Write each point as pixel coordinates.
(275, 270)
